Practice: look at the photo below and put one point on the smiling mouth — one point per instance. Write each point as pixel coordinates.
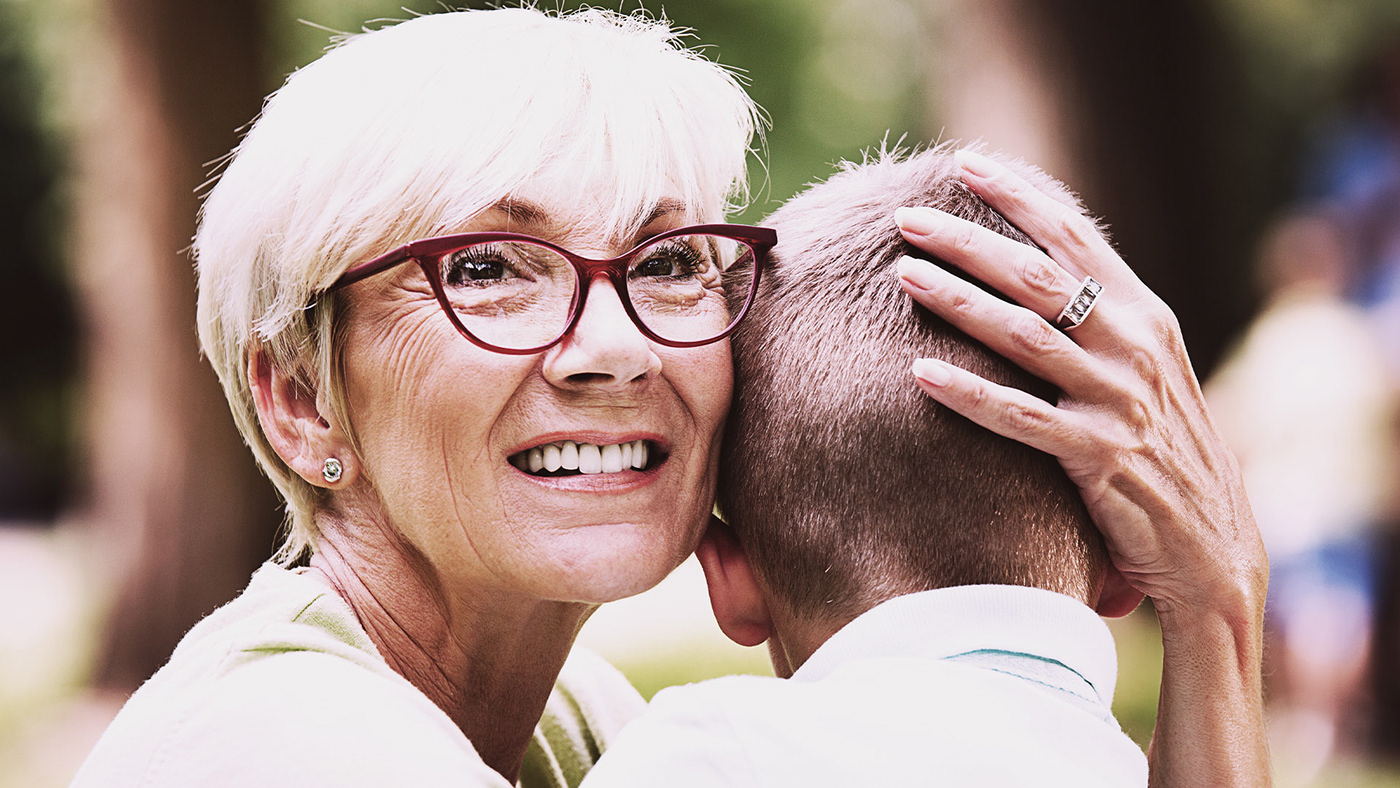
(570, 458)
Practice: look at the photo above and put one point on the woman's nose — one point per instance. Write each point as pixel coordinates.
(605, 349)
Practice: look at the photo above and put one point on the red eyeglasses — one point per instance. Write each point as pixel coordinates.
(517, 294)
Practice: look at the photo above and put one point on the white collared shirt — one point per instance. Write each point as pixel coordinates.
(974, 685)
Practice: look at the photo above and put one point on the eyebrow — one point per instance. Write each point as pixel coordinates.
(528, 213)
(524, 211)
(662, 208)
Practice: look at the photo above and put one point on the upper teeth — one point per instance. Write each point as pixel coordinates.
(583, 457)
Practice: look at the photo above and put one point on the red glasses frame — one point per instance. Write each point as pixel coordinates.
(759, 240)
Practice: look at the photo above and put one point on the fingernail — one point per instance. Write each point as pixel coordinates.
(919, 221)
(931, 371)
(916, 272)
(976, 164)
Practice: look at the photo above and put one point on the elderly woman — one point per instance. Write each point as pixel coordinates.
(462, 284)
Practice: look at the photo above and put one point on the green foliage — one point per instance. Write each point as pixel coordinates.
(298, 31)
(1300, 63)
(1301, 54)
(697, 662)
(1139, 641)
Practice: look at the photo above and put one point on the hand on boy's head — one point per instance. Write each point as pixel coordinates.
(1130, 428)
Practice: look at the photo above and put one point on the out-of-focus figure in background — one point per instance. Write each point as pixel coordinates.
(1356, 167)
(1307, 405)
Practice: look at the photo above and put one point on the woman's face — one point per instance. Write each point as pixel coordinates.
(444, 425)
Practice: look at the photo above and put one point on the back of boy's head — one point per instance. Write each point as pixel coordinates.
(845, 484)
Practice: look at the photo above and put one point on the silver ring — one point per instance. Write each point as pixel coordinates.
(1080, 305)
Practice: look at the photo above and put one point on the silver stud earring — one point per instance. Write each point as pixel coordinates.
(331, 470)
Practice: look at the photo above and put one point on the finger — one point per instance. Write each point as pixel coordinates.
(1011, 331)
(1007, 411)
(1071, 238)
(1020, 272)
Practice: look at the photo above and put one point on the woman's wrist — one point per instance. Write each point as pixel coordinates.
(1225, 639)
(1210, 728)
(1227, 582)
(1237, 603)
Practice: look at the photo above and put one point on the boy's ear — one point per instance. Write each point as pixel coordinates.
(1117, 599)
(735, 594)
(291, 419)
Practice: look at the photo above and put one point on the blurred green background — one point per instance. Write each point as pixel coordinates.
(1185, 124)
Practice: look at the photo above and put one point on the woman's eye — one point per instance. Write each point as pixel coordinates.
(672, 261)
(476, 266)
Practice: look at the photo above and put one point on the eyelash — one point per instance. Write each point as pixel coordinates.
(455, 264)
(688, 255)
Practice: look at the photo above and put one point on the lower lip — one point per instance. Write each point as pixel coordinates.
(622, 481)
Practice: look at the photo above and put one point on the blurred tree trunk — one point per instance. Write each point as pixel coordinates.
(178, 504)
(1131, 105)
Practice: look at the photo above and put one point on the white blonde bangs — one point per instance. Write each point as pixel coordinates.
(412, 131)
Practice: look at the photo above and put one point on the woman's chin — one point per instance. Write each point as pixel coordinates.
(612, 568)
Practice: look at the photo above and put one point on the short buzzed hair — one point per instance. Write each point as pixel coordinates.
(846, 484)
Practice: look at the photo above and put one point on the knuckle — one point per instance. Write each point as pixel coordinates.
(1077, 230)
(1160, 320)
(1159, 361)
(1136, 415)
(1140, 415)
(1038, 277)
(1017, 190)
(963, 241)
(962, 301)
(976, 396)
(1023, 418)
(1164, 324)
(1126, 420)
(1033, 336)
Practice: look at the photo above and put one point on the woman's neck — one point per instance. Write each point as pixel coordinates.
(486, 658)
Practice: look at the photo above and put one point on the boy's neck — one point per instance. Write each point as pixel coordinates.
(795, 639)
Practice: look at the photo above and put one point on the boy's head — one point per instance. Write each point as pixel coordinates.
(844, 484)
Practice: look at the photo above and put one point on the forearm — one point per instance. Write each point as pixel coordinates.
(1210, 717)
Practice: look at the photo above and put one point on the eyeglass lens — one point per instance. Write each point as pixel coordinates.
(518, 294)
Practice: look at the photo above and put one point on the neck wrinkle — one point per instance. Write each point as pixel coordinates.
(487, 658)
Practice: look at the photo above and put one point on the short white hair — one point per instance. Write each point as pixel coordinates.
(412, 130)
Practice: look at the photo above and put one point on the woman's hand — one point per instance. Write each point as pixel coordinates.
(1132, 431)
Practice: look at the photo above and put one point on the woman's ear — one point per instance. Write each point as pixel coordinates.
(735, 594)
(1117, 598)
(307, 442)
